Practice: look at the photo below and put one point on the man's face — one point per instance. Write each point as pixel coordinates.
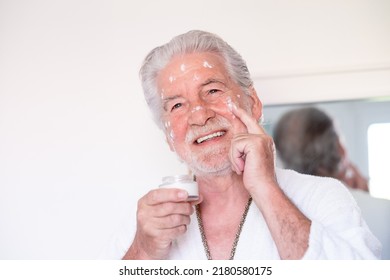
(196, 92)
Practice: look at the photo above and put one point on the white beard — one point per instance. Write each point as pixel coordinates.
(209, 162)
(212, 160)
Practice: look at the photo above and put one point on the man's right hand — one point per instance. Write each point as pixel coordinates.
(162, 216)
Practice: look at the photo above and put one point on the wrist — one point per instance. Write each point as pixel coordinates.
(262, 186)
(265, 192)
(136, 252)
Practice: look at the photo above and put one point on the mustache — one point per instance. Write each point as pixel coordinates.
(211, 125)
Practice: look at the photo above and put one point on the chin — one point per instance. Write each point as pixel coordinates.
(207, 169)
(213, 161)
(212, 173)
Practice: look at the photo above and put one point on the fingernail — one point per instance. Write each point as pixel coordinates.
(182, 194)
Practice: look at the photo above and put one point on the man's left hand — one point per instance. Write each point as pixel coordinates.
(252, 154)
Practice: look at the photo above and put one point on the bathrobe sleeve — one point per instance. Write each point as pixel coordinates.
(338, 230)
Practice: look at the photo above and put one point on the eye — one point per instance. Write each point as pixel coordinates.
(213, 91)
(176, 106)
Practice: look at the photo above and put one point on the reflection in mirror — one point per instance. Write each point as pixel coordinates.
(364, 129)
(363, 126)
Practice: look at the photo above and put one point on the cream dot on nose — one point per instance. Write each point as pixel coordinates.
(197, 108)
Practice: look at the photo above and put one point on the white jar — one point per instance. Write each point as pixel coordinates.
(185, 182)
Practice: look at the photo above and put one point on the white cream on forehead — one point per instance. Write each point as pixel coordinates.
(206, 64)
(183, 67)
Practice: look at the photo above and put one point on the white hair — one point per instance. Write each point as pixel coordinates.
(191, 42)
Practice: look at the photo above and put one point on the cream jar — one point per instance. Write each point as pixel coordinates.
(185, 182)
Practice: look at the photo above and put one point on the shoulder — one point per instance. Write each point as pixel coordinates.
(290, 180)
(307, 191)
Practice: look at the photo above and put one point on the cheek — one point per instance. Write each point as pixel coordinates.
(175, 132)
(224, 107)
(169, 134)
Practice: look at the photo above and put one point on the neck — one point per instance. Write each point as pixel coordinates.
(222, 190)
(221, 213)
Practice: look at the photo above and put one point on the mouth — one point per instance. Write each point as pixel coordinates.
(209, 137)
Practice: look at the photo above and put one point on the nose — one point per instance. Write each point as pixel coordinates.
(200, 114)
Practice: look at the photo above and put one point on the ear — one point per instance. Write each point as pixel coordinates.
(257, 106)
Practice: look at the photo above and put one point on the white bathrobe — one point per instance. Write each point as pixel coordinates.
(337, 229)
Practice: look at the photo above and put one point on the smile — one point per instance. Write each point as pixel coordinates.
(210, 136)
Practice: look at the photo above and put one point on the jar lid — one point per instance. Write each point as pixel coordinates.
(177, 178)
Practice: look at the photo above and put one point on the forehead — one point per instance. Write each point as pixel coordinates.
(192, 67)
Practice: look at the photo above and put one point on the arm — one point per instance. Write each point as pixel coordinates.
(289, 227)
(351, 176)
(252, 155)
(334, 229)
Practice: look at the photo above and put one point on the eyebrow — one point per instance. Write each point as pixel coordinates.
(168, 99)
(212, 81)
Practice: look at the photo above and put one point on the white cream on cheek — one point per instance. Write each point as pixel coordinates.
(229, 103)
(172, 136)
(169, 132)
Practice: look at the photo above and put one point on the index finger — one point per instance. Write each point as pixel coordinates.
(250, 123)
(162, 195)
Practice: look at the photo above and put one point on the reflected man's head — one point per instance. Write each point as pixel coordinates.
(306, 141)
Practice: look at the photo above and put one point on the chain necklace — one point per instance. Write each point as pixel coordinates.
(235, 242)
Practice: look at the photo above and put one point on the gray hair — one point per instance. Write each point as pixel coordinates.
(190, 42)
(307, 142)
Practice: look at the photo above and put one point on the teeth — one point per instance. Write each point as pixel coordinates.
(207, 137)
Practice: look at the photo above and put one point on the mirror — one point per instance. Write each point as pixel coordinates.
(355, 121)
(364, 128)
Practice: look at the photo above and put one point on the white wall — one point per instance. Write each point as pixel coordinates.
(77, 146)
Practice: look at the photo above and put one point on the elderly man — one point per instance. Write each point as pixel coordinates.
(202, 96)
